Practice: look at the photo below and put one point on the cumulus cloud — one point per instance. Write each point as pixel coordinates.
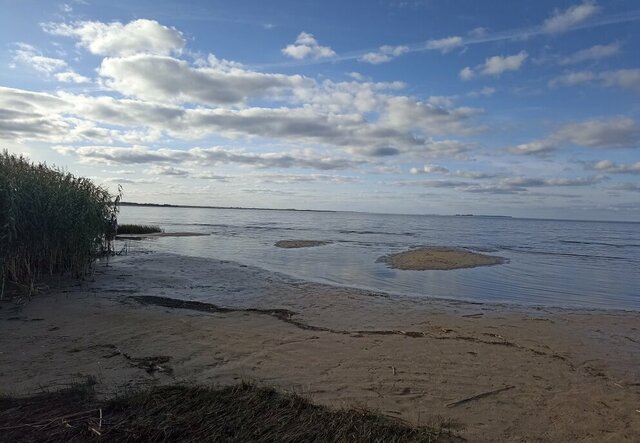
(563, 20)
(612, 167)
(594, 53)
(384, 54)
(621, 78)
(306, 46)
(616, 132)
(155, 78)
(446, 44)
(495, 65)
(117, 39)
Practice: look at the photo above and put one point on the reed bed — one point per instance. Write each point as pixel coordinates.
(50, 222)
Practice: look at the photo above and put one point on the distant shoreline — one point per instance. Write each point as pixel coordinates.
(333, 211)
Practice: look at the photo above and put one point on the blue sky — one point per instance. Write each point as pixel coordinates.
(520, 108)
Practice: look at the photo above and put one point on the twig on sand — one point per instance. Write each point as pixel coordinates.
(476, 397)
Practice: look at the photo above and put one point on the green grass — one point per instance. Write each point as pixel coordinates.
(241, 413)
(138, 229)
(50, 221)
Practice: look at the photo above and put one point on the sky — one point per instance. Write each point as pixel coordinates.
(528, 108)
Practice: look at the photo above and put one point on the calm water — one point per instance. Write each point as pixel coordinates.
(551, 263)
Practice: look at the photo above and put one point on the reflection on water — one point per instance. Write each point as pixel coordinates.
(552, 263)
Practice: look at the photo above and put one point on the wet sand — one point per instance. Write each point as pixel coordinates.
(292, 244)
(438, 258)
(504, 373)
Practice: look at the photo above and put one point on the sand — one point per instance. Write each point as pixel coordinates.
(292, 244)
(438, 258)
(529, 374)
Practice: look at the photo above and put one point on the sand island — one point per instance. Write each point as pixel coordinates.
(438, 258)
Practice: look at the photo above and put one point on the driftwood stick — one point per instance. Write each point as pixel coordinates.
(476, 397)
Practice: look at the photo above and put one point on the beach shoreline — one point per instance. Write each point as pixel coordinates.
(405, 357)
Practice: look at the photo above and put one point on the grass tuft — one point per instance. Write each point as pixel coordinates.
(240, 413)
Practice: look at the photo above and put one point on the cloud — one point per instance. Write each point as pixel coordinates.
(562, 21)
(611, 167)
(167, 171)
(466, 73)
(384, 54)
(597, 52)
(621, 78)
(306, 46)
(441, 170)
(615, 132)
(28, 55)
(509, 185)
(71, 77)
(487, 91)
(536, 147)
(117, 39)
(162, 78)
(282, 179)
(495, 65)
(445, 45)
(203, 157)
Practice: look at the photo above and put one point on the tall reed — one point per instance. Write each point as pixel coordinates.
(50, 221)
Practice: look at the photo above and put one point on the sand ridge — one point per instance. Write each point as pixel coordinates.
(528, 374)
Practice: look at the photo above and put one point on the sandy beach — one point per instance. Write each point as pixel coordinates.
(503, 373)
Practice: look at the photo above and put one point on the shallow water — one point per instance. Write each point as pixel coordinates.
(576, 264)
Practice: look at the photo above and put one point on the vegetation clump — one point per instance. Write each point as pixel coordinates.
(240, 413)
(50, 221)
(138, 229)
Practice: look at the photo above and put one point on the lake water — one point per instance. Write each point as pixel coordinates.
(575, 264)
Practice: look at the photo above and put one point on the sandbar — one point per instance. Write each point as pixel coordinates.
(438, 258)
(292, 244)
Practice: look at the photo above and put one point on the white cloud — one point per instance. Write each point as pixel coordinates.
(167, 171)
(154, 77)
(611, 167)
(561, 21)
(536, 147)
(597, 52)
(202, 157)
(616, 132)
(446, 44)
(487, 91)
(28, 55)
(479, 32)
(495, 65)
(466, 73)
(621, 78)
(117, 39)
(71, 77)
(384, 54)
(307, 46)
